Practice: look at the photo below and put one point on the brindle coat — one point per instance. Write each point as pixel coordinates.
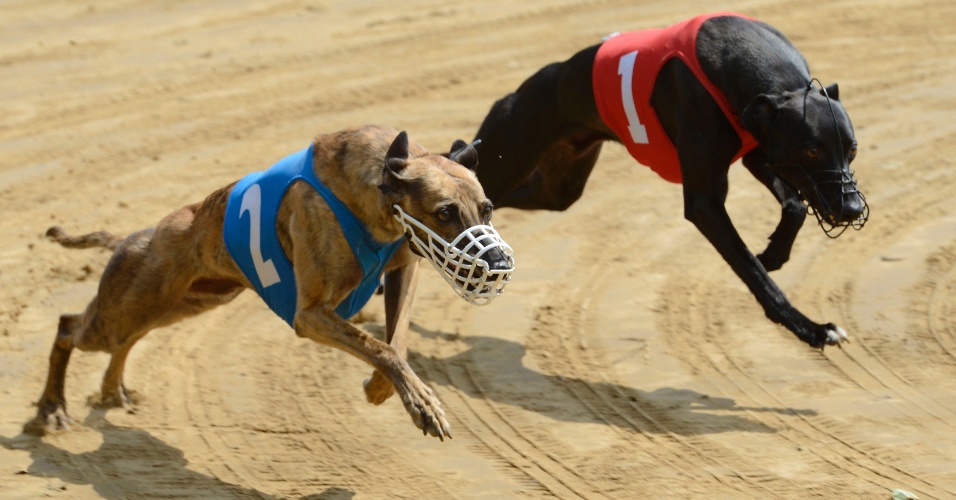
(181, 268)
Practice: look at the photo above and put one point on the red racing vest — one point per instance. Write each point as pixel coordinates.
(625, 69)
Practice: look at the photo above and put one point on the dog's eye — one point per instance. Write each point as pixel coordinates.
(444, 214)
(486, 212)
(812, 152)
(852, 154)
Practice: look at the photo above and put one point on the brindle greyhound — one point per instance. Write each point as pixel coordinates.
(185, 266)
(700, 95)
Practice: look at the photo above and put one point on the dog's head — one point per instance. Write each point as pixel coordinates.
(809, 142)
(446, 217)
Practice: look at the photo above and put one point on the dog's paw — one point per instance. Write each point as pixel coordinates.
(830, 334)
(425, 410)
(836, 335)
(49, 422)
(119, 398)
(771, 260)
(378, 388)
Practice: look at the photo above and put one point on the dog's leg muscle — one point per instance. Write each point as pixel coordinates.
(542, 141)
(559, 176)
(400, 285)
(793, 212)
(322, 325)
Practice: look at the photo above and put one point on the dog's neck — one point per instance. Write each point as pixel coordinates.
(358, 190)
(731, 59)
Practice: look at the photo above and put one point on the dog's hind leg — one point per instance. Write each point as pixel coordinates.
(51, 408)
(400, 285)
(146, 284)
(80, 331)
(560, 174)
(90, 331)
(540, 143)
(793, 212)
(113, 393)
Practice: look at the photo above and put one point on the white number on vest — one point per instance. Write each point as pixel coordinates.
(625, 68)
(252, 203)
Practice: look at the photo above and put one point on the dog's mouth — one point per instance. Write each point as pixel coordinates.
(833, 197)
(477, 264)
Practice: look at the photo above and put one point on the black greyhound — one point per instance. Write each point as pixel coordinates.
(540, 143)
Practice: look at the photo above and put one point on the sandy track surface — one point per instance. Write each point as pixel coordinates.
(624, 361)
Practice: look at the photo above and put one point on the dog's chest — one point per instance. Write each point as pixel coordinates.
(249, 232)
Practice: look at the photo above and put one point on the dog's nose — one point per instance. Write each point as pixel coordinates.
(853, 207)
(500, 265)
(497, 261)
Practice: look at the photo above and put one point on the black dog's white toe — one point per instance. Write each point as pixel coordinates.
(836, 335)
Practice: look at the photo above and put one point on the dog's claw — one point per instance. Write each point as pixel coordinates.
(431, 424)
(424, 408)
(58, 422)
(836, 335)
(50, 421)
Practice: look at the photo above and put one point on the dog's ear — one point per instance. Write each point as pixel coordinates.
(833, 92)
(396, 159)
(760, 114)
(455, 147)
(397, 155)
(464, 154)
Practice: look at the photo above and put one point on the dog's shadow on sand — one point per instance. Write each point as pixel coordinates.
(130, 463)
(566, 398)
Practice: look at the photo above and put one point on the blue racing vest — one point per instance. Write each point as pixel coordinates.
(249, 231)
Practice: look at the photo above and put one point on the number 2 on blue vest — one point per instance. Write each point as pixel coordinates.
(252, 203)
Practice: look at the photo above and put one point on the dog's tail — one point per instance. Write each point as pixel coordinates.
(98, 239)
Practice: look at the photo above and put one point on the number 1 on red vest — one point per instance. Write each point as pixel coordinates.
(625, 68)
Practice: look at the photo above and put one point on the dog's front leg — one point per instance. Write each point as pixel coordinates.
(400, 285)
(793, 212)
(704, 206)
(322, 325)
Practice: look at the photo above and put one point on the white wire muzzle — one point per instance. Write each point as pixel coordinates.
(460, 262)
